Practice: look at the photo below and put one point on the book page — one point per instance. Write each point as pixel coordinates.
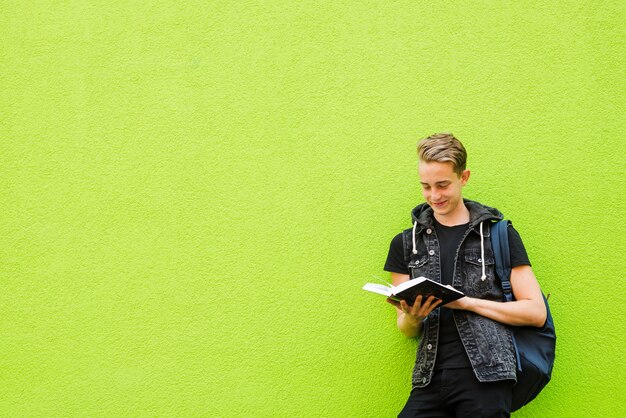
(378, 288)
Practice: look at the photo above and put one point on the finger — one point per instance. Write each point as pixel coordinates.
(432, 308)
(428, 301)
(430, 304)
(417, 303)
(404, 306)
(435, 304)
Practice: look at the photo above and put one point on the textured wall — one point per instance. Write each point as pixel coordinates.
(192, 195)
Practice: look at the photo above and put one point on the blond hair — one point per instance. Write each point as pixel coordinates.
(443, 148)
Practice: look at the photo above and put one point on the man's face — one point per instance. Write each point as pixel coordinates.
(441, 187)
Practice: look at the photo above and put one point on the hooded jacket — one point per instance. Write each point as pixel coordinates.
(488, 343)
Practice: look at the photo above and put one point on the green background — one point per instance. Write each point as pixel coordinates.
(193, 194)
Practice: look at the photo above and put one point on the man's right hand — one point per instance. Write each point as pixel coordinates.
(419, 311)
(410, 317)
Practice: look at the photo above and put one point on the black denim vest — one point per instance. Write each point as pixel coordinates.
(487, 342)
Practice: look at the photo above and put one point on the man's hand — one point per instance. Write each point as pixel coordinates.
(410, 317)
(464, 303)
(419, 311)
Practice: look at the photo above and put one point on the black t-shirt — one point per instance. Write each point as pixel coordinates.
(450, 353)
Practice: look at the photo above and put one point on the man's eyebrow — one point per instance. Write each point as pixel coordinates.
(437, 182)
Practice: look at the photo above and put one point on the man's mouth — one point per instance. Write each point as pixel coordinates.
(440, 204)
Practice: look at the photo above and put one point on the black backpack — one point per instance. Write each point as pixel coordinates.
(534, 347)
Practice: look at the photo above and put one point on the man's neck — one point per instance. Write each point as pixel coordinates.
(459, 216)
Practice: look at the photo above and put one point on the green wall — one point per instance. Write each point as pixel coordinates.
(193, 193)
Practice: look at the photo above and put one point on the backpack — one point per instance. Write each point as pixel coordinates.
(534, 347)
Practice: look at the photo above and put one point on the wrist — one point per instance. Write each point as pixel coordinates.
(470, 303)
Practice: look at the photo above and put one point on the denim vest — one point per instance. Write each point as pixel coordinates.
(488, 343)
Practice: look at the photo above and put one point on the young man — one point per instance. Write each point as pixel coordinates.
(465, 364)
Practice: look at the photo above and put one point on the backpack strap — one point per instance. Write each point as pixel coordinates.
(502, 256)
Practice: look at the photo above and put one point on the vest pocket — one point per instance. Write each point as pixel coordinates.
(419, 267)
(474, 271)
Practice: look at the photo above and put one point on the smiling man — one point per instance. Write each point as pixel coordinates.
(465, 364)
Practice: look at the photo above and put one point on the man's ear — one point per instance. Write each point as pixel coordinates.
(465, 175)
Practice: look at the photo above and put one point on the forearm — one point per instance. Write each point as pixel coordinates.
(519, 313)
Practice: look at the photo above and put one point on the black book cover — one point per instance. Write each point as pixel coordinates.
(425, 287)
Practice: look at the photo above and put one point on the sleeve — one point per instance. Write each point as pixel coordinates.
(395, 258)
(519, 257)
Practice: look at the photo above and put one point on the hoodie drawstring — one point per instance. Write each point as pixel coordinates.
(414, 226)
(482, 252)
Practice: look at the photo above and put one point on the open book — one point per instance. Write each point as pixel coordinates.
(409, 290)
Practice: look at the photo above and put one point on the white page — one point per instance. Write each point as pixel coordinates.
(377, 288)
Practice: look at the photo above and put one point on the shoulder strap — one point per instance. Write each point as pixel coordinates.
(502, 255)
